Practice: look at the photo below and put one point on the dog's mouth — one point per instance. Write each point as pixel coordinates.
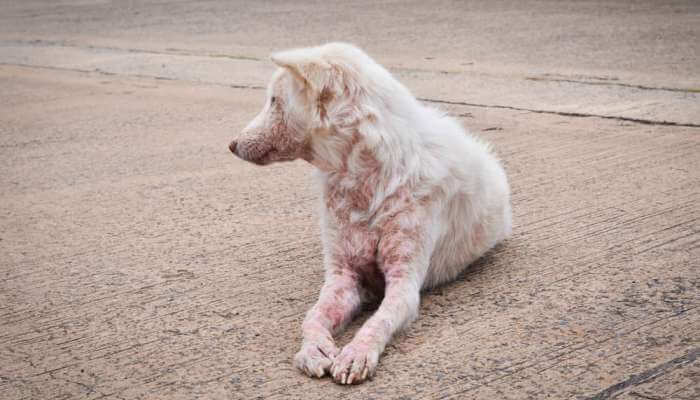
(266, 157)
(259, 154)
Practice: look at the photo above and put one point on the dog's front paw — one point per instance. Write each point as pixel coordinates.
(316, 358)
(356, 362)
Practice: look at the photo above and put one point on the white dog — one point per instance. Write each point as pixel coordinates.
(409, 199)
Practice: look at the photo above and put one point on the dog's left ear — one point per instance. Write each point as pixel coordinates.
(308, 67)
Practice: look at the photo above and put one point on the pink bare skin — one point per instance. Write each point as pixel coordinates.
(382, 255)
(394, 218)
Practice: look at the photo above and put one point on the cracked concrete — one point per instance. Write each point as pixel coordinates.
(140, 260)
(646, 376)
(467, 86)
(564, 113)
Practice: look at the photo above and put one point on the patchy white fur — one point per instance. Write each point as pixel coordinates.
(410, 199)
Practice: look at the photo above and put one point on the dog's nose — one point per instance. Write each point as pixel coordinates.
(232, 147)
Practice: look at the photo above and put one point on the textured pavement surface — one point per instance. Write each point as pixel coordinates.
(140, 260)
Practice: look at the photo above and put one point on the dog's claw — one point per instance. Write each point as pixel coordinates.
(313, 361)
(355, 363)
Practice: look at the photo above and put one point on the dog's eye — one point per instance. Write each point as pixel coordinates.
(273, 99)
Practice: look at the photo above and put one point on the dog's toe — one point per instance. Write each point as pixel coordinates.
(315, 360)
(355, 364)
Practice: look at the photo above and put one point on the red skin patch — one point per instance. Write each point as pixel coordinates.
(373, 249)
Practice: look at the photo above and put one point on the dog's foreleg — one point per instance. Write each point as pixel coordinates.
(403, 255)
(337, 303)
(358, 360)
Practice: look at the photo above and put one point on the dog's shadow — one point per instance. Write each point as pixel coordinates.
(489, 264)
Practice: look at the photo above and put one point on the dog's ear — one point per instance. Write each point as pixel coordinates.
(308, 67)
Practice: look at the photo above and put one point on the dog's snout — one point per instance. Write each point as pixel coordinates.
(232, 147)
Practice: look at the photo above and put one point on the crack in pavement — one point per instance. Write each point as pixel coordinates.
(425, 99)
(190, 53)
(564, 113)
(169, 51)
(625, 85)
(648, 375)
(141, 76)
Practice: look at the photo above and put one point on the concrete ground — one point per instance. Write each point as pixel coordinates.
(140, 260)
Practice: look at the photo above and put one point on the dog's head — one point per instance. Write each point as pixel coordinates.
(309, 95)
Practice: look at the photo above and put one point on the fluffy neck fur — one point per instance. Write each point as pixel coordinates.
(382, 153)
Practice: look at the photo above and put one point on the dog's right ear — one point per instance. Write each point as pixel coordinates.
(305, 65)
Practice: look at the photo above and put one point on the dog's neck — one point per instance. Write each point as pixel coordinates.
(344, 152)
(363, 150)
(364, 175)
